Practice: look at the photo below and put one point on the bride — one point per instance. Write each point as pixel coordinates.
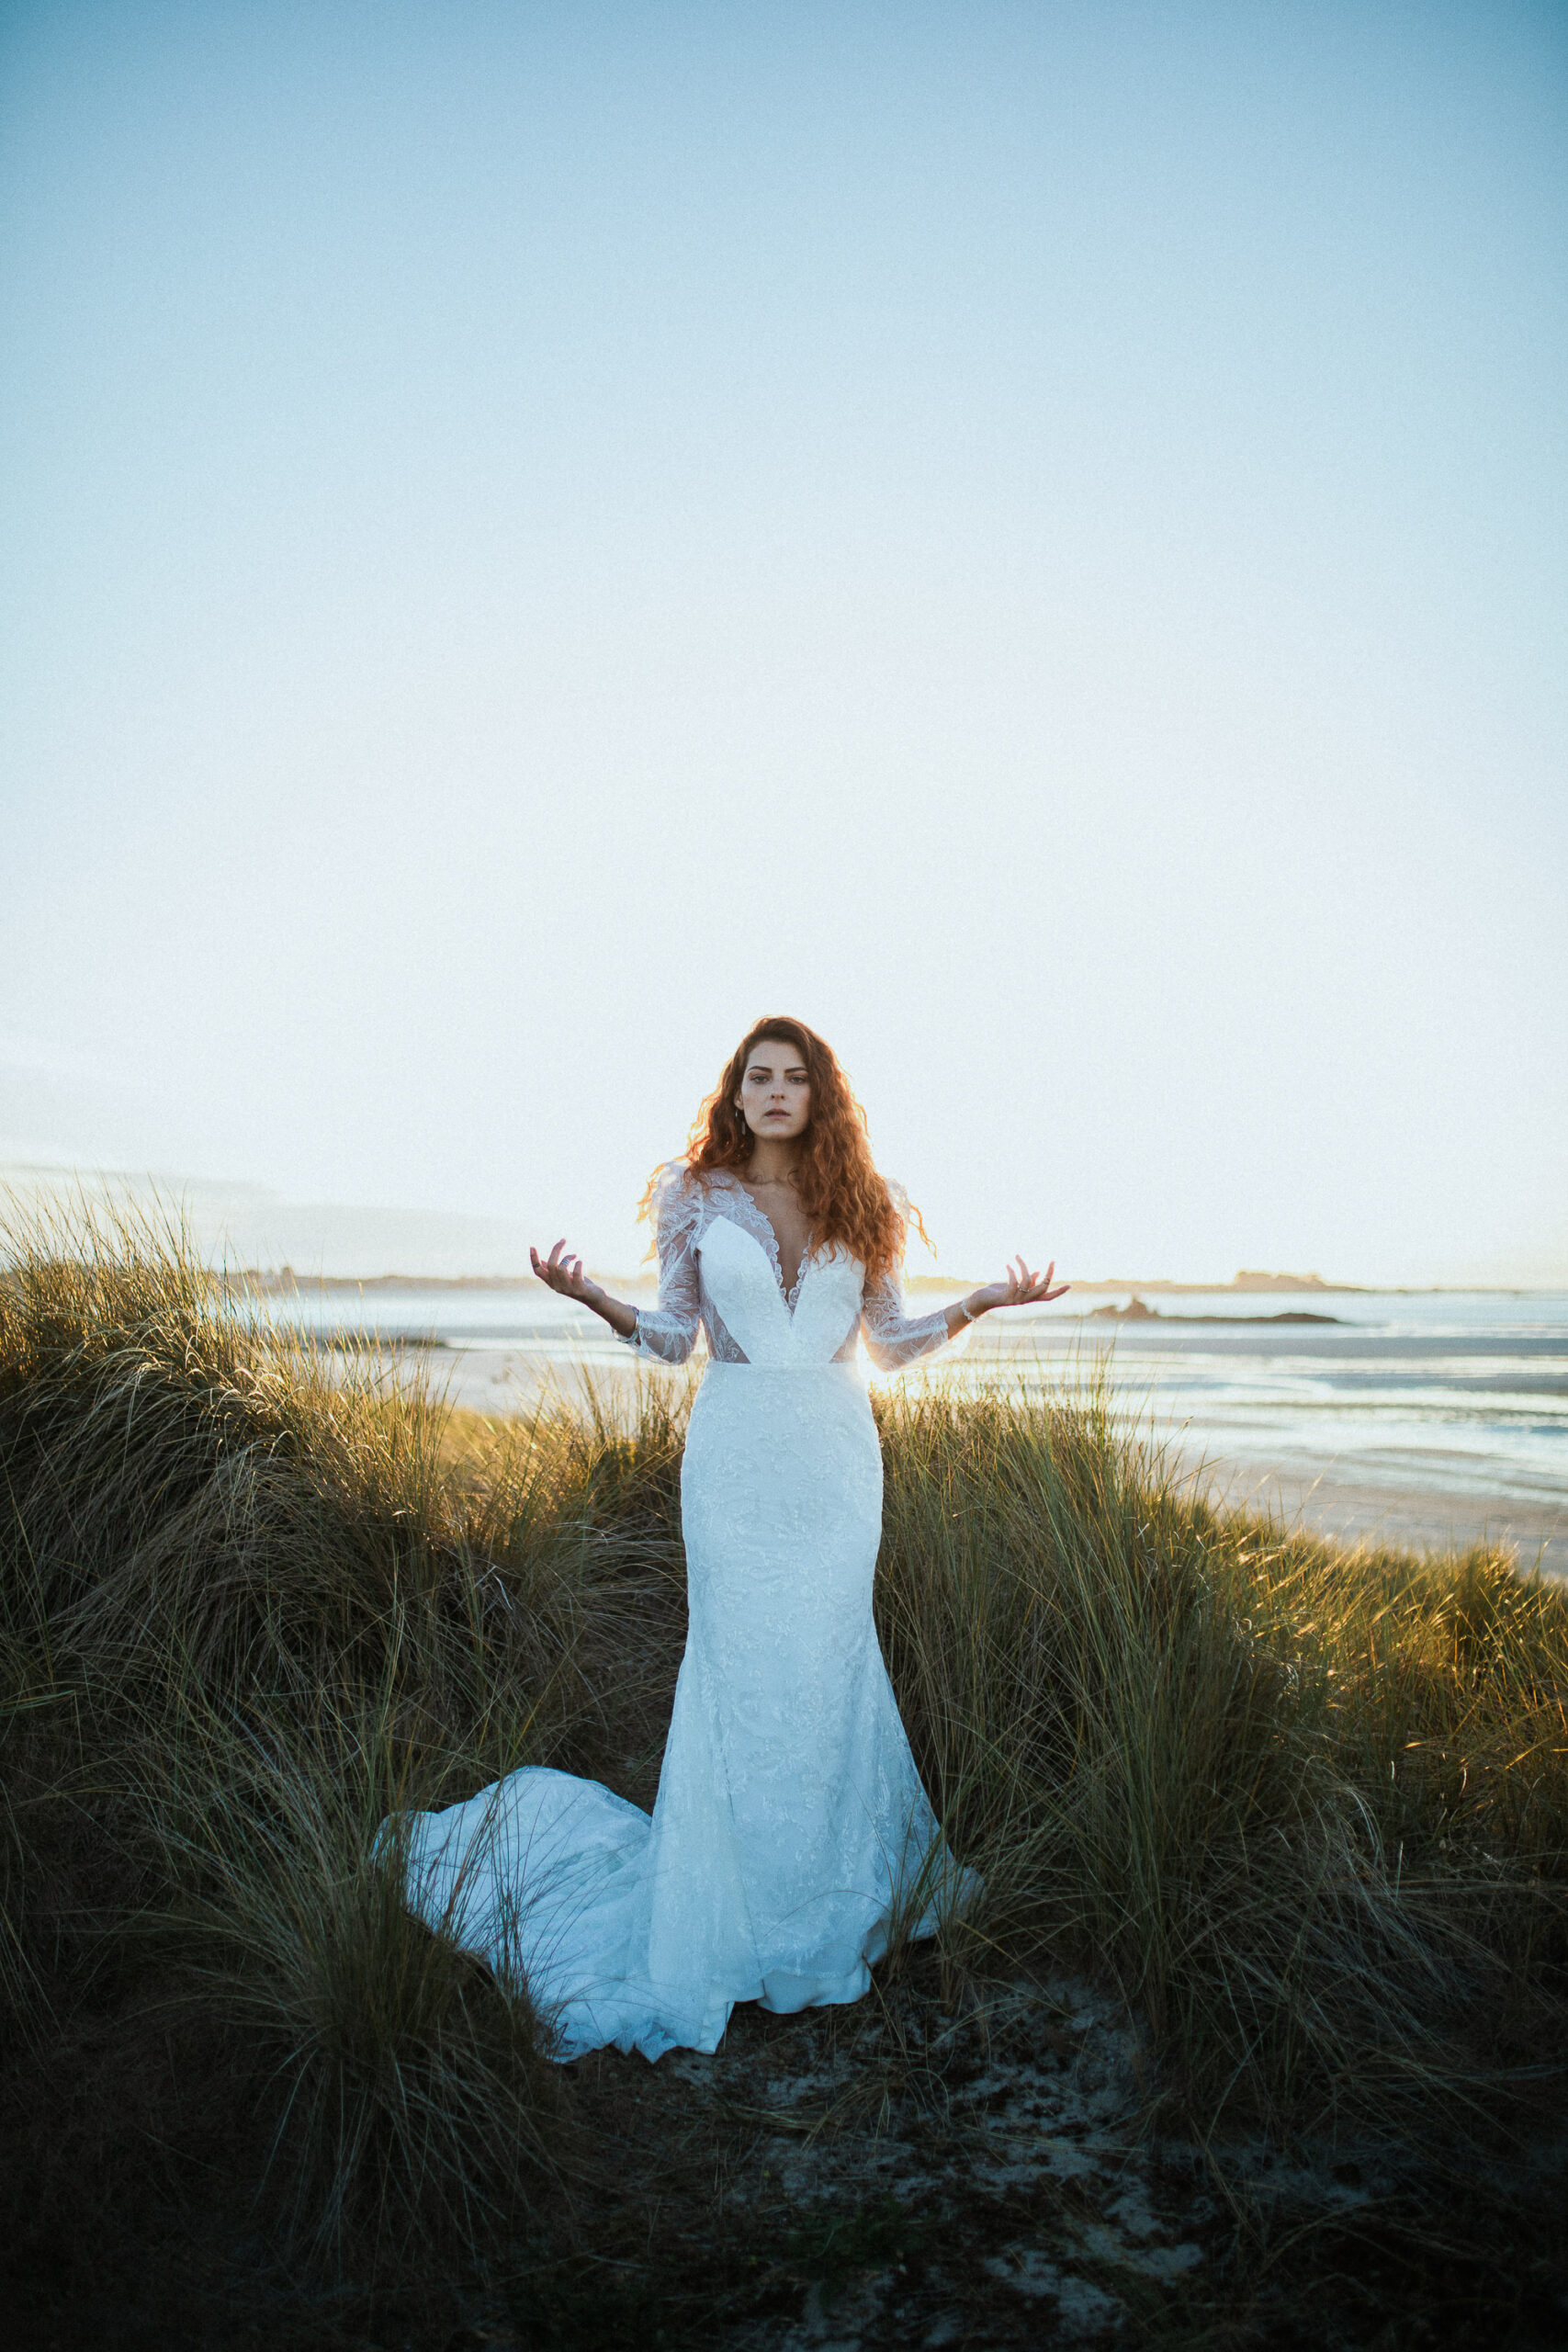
(791, 1829)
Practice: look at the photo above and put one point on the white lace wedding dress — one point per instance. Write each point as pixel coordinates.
(790, 1827)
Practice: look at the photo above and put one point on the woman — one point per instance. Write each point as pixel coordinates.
(791, 1825)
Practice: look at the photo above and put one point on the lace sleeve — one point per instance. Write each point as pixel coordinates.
(669, 1330)
(893, 1336)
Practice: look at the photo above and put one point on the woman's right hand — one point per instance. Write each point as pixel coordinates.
(564, 1273)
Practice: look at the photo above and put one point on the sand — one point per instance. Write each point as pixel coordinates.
(1421, 1519)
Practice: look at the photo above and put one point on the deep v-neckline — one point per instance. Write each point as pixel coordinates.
(788, 1292)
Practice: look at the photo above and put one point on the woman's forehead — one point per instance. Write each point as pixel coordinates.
(768, 1050)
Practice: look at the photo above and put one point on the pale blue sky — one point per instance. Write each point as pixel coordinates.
(1031, 536)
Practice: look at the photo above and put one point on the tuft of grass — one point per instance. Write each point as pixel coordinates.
(1305, 1806)
(406, 2094)
(249, 1606)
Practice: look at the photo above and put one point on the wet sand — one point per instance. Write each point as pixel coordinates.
(1417, 1519)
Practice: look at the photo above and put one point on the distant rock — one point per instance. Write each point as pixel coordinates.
(1138, 1311)
(1255, 1281)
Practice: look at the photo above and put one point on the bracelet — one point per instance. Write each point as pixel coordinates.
(965, 1311)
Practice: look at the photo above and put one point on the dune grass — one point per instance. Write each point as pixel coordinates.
(1305, 1807)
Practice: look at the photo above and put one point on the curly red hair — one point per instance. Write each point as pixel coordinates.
(842, 1194)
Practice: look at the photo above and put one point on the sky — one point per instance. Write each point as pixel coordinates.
(1030, 537)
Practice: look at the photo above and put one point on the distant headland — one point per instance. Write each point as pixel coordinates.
(270, 1281)
(1250, 1280)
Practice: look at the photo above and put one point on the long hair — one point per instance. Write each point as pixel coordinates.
(845, 1199)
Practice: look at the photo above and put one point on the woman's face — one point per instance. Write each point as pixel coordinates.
(775, 1090)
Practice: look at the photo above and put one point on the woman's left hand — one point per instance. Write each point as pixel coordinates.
(1022, 1287)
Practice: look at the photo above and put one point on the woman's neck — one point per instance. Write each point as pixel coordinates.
(771, 1163)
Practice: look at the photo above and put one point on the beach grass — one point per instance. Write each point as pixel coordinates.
(1302, 1808)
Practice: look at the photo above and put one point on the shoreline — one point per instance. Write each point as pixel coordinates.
(506, 1384)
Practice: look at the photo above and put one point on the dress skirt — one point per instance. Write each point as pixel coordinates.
(791, 1829)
